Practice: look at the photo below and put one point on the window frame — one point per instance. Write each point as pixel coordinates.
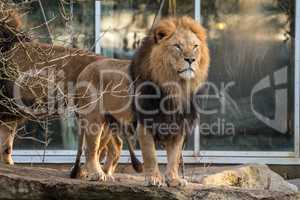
(196, 155)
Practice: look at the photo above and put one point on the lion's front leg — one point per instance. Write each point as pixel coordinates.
(174, 149)
(7, 133)
(151, 169)
(92, 151)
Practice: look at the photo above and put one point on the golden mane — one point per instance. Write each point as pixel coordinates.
(141, 65)
(155, 77)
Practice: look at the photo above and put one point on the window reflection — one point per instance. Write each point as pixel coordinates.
(70, 23)
(73, 25)
(250, 41)
(125, 23)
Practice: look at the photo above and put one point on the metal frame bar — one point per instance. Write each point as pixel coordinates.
(163, 153)
(198, 10)
(73, 153)
(67, 157)
(265, 154)
(194, 156)
(97, 27)
(196, 130)
(297, 80)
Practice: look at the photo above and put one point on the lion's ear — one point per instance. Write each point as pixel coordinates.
(11, 18)
(163, 30)
(15, 20)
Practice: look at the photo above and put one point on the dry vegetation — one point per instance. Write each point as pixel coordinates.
(38, 72)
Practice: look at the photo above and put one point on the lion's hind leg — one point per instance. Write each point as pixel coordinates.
(118, 145)
(94, 132)
(114, 147)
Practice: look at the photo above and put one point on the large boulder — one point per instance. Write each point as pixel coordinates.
(250, 177)
(42, 183)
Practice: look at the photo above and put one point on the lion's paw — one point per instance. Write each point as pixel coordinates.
(7, 159)
(96, 176)
(154, 180)
(176, 182)
(110, 177)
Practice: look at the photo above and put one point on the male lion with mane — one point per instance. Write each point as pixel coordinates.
(160, 85)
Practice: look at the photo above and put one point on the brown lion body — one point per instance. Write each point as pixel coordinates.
(70, 62)
(27, 56)
(175, 51)
(108, 95)
(43, 60)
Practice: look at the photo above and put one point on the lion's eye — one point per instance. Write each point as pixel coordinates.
(178, 47)
(196, 46)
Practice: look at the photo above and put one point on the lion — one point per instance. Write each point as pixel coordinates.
(26, 55)
(168, 69)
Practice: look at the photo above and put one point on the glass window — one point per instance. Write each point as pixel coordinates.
(69, 24)
(125, 23)
(250, 103)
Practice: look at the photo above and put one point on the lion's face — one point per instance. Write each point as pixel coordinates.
(180, 53)
(184, 53)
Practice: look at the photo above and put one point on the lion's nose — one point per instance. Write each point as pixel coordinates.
(190, 60)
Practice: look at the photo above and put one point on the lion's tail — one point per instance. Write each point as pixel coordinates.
(136, 163)
(126, 131)
(76, 169)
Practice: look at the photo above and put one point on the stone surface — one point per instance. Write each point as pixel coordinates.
(250, 177)
(295, 182)
(44, 183)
